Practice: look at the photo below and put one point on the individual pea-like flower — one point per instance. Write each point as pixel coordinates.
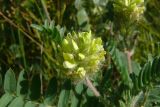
(80, 55)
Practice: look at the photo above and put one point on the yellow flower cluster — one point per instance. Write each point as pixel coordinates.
(79, 55)
(132, 9)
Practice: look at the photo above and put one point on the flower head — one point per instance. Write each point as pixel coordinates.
(80, 54)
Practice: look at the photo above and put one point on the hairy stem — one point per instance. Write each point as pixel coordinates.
(90, 85)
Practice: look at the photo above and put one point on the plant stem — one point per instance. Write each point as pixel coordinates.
(18, 27)
(45, 10)
(90, 85)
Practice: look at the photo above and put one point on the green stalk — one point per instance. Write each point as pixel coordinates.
(45, 10)
(22, 48)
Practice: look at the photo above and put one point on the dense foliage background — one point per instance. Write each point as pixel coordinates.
(30, 30)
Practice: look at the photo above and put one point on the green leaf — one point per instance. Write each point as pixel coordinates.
(79, 88)
(30, 104)
(136, 68)
(35, 87)
(121, 62)
(17, 102)
(21, 86)
(42, 105)
(5, 100)
(10, 82)
(37, 27)
(77, 94)
(51, 91)
(82, 16)
(89, 92)
(140, 79)
(78, 4)
(137, 100)
(74, 100)
(63, 99)
(154, 66)
(56, 35)
(146, 72)
(154, 95)
(124, 69)
(64, 95)
(122, 104)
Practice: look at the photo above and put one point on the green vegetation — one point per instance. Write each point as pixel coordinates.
(79, 53)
